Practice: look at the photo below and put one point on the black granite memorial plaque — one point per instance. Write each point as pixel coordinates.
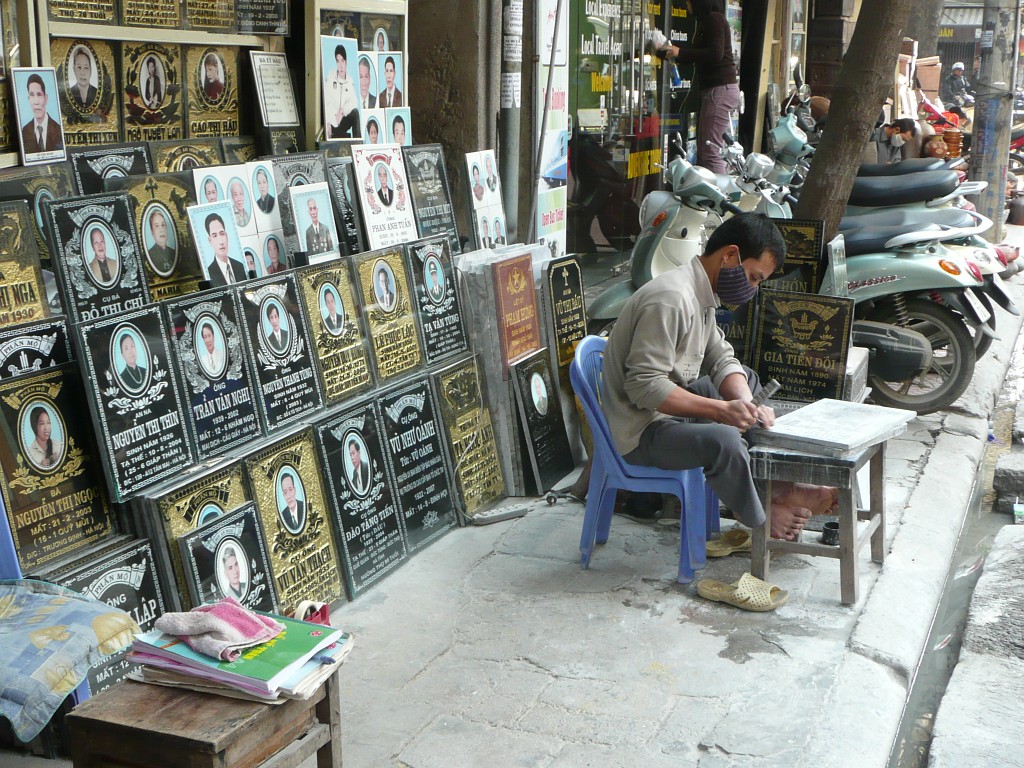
(91, 166)
(182, 156)
(228, 557)
(381, 32)
(238, 149)
(22, 292)
(431, 193)
(32, 347)
(96, 253)
(470, 435)
(37, 185)
(262, 17)
(540, 414)
(210, 357)
(51, 482)
(366, 514)
(153, 93)
(286, 482)
(341, 180)
(564, 288)
(437, 299)
(341, 350)
(137, 410)
(125, 578)
(802, 340)
(412, 437)
(803, 270)
(278, 342)
(338, 23)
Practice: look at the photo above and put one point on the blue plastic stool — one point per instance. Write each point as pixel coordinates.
(699, 514)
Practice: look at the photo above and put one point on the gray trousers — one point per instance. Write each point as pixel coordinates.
(683, 443)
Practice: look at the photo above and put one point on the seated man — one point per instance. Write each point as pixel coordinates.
(675, 395)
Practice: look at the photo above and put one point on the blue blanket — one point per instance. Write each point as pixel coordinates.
(49, 638)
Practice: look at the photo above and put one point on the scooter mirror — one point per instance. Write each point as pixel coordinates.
(804, 92)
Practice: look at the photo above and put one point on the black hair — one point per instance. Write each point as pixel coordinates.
(753, 234)
(35, 78)
(390, 60)
(339, 50)
(271, 307)
(905, 124)
(398, 119)
(34, 416)
(212, 218)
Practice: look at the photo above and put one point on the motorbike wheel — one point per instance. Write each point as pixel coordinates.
(953, 359)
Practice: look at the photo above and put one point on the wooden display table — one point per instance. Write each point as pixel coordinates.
(152, 726)
(768, 464)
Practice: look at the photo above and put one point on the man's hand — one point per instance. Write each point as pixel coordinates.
(765, 416)
(738, 413)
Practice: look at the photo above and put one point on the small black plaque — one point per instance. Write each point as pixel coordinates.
(568, 312)
(92, 167)
(33, 347)
(804, 241)
(437, 299)
(341, 179)
(228, 558)
(431, 193)
(540, 413)
(366, 513)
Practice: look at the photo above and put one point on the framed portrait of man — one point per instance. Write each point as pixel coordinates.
(242, 208)
(390, 80)
(216, 239)
(275, 259)
(37, 107)
(160, 239)
(399, 124)
(374, 126)
(291, 499)
(265, 194)
(251, 253)
(315, 229)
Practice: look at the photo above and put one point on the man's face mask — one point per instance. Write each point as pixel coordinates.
(734, 287)
(897, 140)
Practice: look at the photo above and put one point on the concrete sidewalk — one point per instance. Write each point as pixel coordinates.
(493, 648)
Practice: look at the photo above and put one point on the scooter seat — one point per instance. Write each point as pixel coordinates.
(873, 239)
(910, 165)
(908, 219)
(880, 191)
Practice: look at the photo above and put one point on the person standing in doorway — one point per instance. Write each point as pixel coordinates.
(716, 76)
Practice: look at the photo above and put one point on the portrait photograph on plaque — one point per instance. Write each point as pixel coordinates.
(339, 74)
(341, 350)
(32, 347)
(217, 243)
(277, 341)
(260, 175)
(211, 363)
(125, 577)
(314, 228)
(478, 193)
(374, 125)
(437, 298)
(47, 452)
(285, 477)
(228, 557)
(366, 68)
(212, 73)
(390, 80)
(384, 195)
(366, 514)
(151, 84)
(22, 292)
(381, 32)
(491, 180)
(185, 503)
(160, 202)
(414, 445)
(802, 340)
(38, 115)
(271, 251)
(96, 254)
(234, 180)
(398, 121)
(296, 170)
(430, 192)
(546, 441)
(341, 180)
(92, 167)
(37, 185)
(388, 306)
(469, 435)
(89, 94)
(251, 253)
(177, 155)
(340, 23)
(136, 408)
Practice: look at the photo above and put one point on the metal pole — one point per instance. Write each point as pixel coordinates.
(532, 229)
(509, 116)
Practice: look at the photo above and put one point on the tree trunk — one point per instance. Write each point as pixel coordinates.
(923, 25)
(866, 78)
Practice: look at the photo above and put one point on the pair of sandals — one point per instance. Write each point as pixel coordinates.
(749, 592)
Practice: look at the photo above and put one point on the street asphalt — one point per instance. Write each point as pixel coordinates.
(493, 648)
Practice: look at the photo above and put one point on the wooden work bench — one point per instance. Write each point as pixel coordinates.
(151, 726)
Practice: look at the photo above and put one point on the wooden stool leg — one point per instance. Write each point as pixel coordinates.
(328, 710)
(759, 535)
(878, 504)
(849, 568)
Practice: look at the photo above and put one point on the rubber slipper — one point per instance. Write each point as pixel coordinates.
(734, 540)
(749, 593)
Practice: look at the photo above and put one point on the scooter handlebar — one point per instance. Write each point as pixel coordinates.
(725, 205)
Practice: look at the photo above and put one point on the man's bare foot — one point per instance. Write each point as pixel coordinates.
(819, 499)
(788, 520)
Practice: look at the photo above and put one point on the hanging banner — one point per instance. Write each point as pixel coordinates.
(552, 25)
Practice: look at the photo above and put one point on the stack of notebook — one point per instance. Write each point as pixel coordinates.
(290, 666)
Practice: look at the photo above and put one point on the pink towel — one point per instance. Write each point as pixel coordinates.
(222, 630)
